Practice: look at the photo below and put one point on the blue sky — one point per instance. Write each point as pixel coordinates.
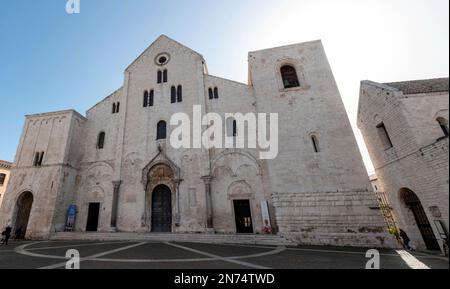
(50, 60)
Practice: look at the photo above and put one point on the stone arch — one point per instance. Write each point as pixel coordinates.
(296, 64)
(251, 160)
(161, 171)
(96, 193)
(160, 160)
(240, 189)
(98, 173)
(416, 219)
(226, 169)
(22, 211)
(160, 175)
(246, 168)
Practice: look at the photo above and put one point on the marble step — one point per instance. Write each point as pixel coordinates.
(274, 240)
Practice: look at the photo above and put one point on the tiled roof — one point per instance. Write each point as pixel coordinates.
(421, 86)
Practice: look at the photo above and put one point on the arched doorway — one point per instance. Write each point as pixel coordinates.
(161, 209)
(23, 210)
(413, 203)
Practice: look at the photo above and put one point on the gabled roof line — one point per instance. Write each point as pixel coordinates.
(153, 43)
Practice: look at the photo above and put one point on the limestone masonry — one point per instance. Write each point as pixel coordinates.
(5, 168)
(405, 127)
(116, 164)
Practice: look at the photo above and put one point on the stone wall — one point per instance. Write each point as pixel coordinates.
(418, 160)
(332, 218)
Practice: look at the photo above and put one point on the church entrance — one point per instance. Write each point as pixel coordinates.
(243, 216)
(161, 209)
(23, 207)
(413, 203)
(92, 220)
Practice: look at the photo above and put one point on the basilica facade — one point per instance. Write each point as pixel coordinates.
(117, 166)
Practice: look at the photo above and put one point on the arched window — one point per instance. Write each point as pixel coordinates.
(165, 76)
(101, 140)
(315, 143)
(179, 93)
(210, 93)
(38, 159)
(289, 76)
(173, 95)
(145, 98)
(443, 123)
(159, 76)
(216, 92)
(115, 107)
(151, 98)
(161, 130)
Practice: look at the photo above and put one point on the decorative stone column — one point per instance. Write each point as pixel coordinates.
(209, 207)
(177, 196)
(115, 204)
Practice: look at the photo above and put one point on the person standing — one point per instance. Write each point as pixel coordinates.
(6, 235)
(405, 239)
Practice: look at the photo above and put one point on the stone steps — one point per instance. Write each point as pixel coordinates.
(247, 239)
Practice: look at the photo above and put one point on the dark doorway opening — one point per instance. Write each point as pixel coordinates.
(243, 217)
(92, 220)
(414, 204)
(162, 209)
(24, 204)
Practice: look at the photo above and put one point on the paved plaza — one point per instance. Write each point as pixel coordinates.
(170, 255)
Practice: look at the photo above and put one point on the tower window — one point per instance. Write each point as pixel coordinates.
(289, 76)
(443, 123)
(38, 159)
(213, 93)
(161, 130)
(384, 136)
(101, 140)
(116, 107)
(315, 143)
(210, 93)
